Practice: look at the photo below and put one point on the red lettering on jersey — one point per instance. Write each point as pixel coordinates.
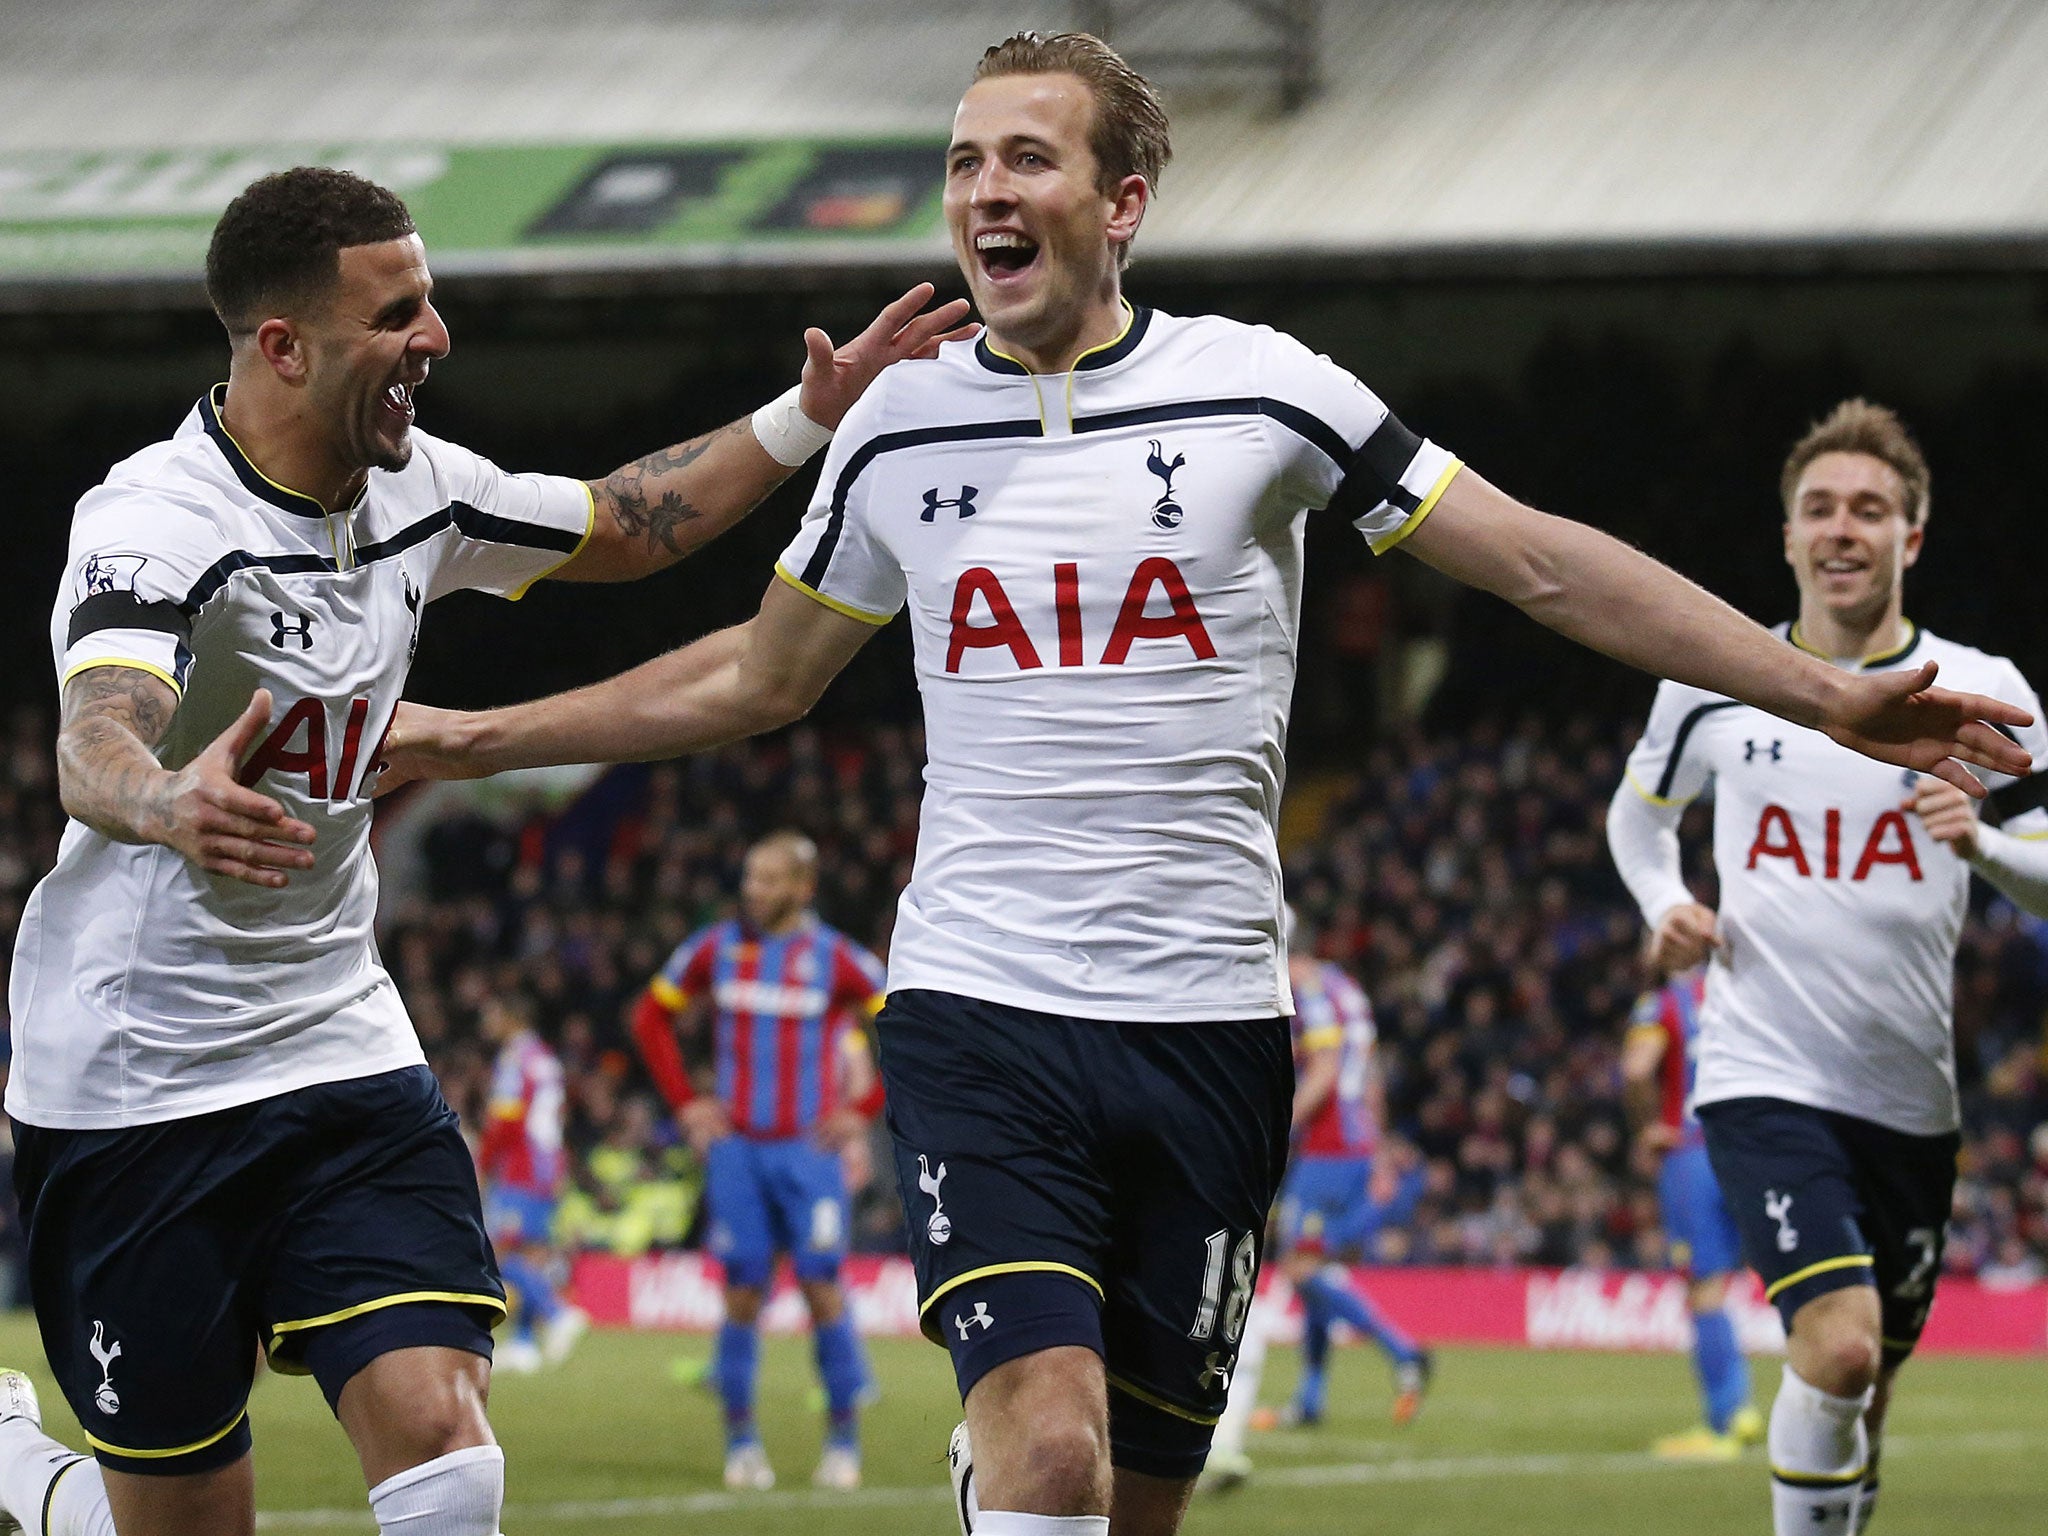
(351, 743)
(277, 751)
(1066, 602)
(1132, 623)
(1831, 865)
(1786, 846)
(1874, 851)
(1006, 629)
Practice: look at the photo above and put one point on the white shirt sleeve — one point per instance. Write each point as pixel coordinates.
(1665, 772)
(1338, 444)
(2018, 866)
(836, 556)
(138, 565)
(510, 530)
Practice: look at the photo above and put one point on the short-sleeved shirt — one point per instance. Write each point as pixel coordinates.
(1331, 1013)
(1834, 983)
(1103, 576)
(144, 988)
(782, 1004)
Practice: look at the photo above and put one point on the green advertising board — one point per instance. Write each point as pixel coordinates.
(147, 213)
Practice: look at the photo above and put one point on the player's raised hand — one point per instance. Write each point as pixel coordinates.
(419, 745)
(224, 827)
(1683, 938)
(1947, 814)
(836, 377)
(1898, 717)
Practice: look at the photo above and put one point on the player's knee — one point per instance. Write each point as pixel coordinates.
(743, 1304)
(826, 1301)
(1060, 1466)
(1836, 1351)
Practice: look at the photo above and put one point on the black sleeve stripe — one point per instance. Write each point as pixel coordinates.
(216, 575)
(2027, 794)
(888, 442)
(474, 523)
(124, 610)
(1698, 712)
(406, 537)
(1379, 465)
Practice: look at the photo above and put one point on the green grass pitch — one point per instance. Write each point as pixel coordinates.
(613, 1444)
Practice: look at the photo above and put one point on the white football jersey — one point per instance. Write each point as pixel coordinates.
(1839, 918)
(1103, 572)
(145, 989)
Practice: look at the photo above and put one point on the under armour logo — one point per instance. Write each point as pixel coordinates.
(933, 501)
(302, 631)
(1215, 1372)
(940, 1227)
(1166, 511)
(103, 1396)
(1779, 1208)
(1775, 751)
(980, 1315)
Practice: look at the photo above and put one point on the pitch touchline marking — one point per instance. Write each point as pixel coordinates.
(1421, 1469)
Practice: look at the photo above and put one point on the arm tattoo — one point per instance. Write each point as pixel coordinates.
(644, 501)
(108, 774)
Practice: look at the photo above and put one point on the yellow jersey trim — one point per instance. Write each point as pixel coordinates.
(1875, 658)
(1130, 318)
(127, 661)
(1322, 1039)
(1825, 1266)
(1118, 1384)
(667, 993)
(589, 527)
(1423, 508)
(876, 619)
(2027, 837)
(1654, 799)
(461, 1298)
(218, 395)
(1028, 1266)
(177, 1450)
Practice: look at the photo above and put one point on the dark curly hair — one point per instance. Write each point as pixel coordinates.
(280, 241)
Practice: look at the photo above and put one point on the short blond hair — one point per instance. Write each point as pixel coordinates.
(1862, 426)
(1127, 132)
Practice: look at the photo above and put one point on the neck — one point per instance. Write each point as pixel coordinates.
(271, 428)
(1850, 635)
(1095, 325)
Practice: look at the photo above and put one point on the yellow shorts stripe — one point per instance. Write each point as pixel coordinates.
(1117, 1383)
(461, 1298)
(1042, 1266)
(876, 619)
(1818, 1479)
(177, 1450)
(1847, 1261)
(1423, 508)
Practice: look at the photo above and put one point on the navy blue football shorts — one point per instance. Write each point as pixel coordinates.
(1074, 1182)
(330, 1224)
(1826, 1200)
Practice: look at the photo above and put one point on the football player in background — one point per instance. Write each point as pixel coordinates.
(1659, 1057)
(1826, 1083)
(1094, 517)
(523, 1166)
(226, 1130)
(792, 1084)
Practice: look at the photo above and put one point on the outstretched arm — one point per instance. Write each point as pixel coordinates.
(1600, 592)
(108, 777)
(650, 513)
(737, 682)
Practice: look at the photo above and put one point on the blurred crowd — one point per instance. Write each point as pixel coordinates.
(1462, 876)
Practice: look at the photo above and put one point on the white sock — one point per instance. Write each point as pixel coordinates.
(38, 1475)
(459, 1494)
(1251, 1364)
(1003, 1522)
(1819, 1449)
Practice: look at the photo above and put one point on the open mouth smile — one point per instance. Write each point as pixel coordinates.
(1005, 255)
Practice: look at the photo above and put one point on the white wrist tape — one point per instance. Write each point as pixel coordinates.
(786, 432)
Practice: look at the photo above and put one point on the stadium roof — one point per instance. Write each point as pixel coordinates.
(1442, 125)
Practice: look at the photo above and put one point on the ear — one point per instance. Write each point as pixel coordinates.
(1915, 538)
(280, 345)
(1127, 208)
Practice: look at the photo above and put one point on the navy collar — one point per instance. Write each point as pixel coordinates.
(1125, 343)
(283, 497)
